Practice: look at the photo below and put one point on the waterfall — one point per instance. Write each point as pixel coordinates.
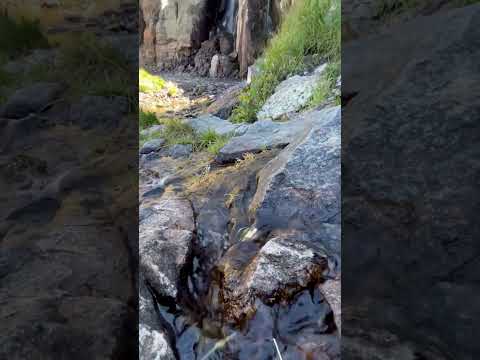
(228, 21)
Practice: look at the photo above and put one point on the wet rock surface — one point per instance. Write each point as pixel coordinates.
(227, 277)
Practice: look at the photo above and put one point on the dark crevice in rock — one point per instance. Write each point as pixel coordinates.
(347, 97)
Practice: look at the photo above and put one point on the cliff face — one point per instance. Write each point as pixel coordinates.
(174, 30)
(253, 27)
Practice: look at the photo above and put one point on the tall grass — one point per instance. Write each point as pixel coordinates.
(312, 27)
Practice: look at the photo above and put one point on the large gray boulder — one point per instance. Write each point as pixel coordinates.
(288, 263)
(300, 188)
(31, 99)
(166, 234)
(290, 95)
(265, 135)
(205, 123)
(152, 146)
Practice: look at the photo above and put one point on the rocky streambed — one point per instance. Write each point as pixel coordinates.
(241, 250)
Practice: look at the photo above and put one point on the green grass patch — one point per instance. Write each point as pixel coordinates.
(312, 27)
(92, 67)
(147, 119)
(149, 83)
(212, 142)
(325, 85)
(177, 132)
(89, 67)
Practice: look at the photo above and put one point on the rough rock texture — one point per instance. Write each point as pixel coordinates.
(224, 105)
(263, 135)
(290, 95)
(221, 66)
(31, 99)
(203, 58)
(300, 189)
(153, 340)
(180, 150)
(365, 17)
(166, 233)
(222, 127)
(151, 146)
(413, 208)
(85, 113)
(256, 22)
(252, 31)
(268, 134)
(298, 202)
(172, 30)
(286, 264)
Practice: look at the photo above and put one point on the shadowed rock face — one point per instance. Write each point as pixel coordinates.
(410, 210)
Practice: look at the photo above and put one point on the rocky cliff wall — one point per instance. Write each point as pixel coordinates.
(173, 31)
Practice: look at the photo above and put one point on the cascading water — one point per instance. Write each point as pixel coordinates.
(228, 20)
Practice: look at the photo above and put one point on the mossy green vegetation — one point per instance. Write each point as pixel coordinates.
(213, 142)
(312, 27)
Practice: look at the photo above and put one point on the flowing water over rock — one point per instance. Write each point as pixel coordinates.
(233, 280)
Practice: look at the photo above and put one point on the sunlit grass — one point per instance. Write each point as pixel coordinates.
(312, 27)
(149, 83)
(325, 85)
(175, 131)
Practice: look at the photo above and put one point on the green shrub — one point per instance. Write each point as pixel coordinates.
(177, 132)
(149, 83)
(212, 142)
(20, 36)
(325, 84)
(147, 119)
(312, 27)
